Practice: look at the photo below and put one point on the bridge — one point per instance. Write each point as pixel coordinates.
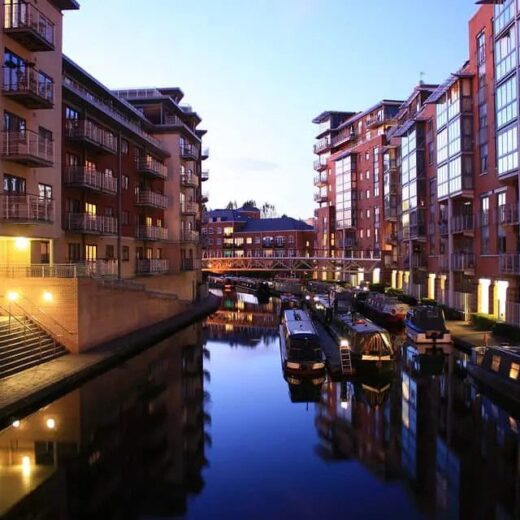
(226, 261)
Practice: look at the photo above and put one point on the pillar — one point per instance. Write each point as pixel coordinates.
(393, 280)
(500, 299)
(483, 295)
(431, 286)
(399, 279)
(376, 275)
(360, 275)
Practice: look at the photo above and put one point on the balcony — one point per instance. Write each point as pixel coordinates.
(28, 86)
(204, 198)
(389, 165)
(189, 208)
(321, 145)
(189, 181)
(204, 153)
(419, 261)
(320, 164)
(81, 177)
(463, 261)
(151, 233)
(343, 138)
(152, 266)
(28, 26)
(509, 263)
(462, 224)
(508, 215)
(374, 122)
(443, 227)
(28, 148)
(418, 232)
(190, 264)
(91, 224)
(320, 197)
(188, 152)
(391, 238)
(151, 199)
(189, 236)
(151, 167)
(26, 209)
(320, 180)
(349, 242)
(204, 175)
(90, 134)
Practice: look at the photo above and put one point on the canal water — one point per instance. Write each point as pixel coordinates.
(204, 425)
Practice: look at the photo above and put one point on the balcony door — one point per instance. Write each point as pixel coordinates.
(15, 14)
(90, 252)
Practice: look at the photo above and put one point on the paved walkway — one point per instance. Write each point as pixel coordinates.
(465, 336)
(24, 392)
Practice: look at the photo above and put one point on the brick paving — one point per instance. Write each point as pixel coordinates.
(23, 392)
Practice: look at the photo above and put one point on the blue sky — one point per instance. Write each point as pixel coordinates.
(258, 71)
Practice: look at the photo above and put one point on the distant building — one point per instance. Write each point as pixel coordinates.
(241, 232)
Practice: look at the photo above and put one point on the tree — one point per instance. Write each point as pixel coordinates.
(249, 204)
(232, 205)
(268, 210)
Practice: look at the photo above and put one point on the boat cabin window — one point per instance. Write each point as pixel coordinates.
(495, 363)
(514, 370)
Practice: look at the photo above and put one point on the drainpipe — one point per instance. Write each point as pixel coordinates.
(119, 203)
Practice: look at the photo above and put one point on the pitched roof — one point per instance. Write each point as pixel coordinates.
(275, 224)
(227, 215)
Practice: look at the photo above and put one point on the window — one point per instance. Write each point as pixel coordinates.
(109, 252)
(45, 191)
(125, 253)
(124, 146)
(506, 102)
(125, 182)
(484, 225)
(483, 158)
(71, 114)
(503, 14)
(109, 212)
(249, 240)
(90, 252)
(14, 185)
(507, 152)
(360, 233)
(367, 176)
(495, 363)
(124, 218)
(367, 194)
(74, 254)
(13, 123)
(90, 209)
(257, 240)
(505, 54)
(368, 213)
(514, 370)
(45, 134)
(481, 48)
(368, 233)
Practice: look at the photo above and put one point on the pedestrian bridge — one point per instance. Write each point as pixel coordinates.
(224, 261)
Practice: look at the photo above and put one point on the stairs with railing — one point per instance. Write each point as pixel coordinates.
(24, 344)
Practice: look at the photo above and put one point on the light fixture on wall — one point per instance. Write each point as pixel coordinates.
(22, 243)
(47, 297)
(12, 296)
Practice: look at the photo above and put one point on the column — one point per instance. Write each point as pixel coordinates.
(431, 286)
(399, 279)
(483, 295)
(500, 299)
(376, 275)
(393, 281)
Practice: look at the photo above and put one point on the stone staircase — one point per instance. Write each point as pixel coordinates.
(23, 344)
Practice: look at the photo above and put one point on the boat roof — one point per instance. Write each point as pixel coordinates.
(361, 325)
(298, 321)
(511, 350)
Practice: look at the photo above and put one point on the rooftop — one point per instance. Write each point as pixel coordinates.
(283, 223)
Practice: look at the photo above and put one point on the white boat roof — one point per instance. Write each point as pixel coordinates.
(298, 321)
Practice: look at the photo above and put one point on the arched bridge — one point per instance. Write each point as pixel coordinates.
(224, 261)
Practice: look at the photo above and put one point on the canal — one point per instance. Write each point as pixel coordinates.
(203, 425)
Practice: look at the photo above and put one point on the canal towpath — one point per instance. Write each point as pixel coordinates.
(26, 391)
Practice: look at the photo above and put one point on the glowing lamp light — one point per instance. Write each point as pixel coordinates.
(51, 423)
(21, 243)
(344, 343)
(16, 424)
(47, 297)
(12, 296)
(344, 405)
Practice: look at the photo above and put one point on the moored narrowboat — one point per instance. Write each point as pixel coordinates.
(385, 308)
(425, 324)
(497, 368)
(300, 344)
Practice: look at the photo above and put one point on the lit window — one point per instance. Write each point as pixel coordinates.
(495, 363)
(514, 370)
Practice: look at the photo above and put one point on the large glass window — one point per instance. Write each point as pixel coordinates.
(503, 14)
(507, 150)
(442, 146)
(507, 105)
(505, 54)
(442, 113)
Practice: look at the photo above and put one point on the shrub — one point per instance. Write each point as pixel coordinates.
(429, 301)
(378, 287)
(452, 314)
(507, 331)
(483, 321)
(406, 298)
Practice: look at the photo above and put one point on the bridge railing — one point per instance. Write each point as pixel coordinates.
(317, 255)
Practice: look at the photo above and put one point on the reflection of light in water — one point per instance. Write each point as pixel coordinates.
(344, 405)
(241, 305)
(229, 327)
(217, 292)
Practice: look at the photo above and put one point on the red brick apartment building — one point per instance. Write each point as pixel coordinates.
(449, 217)
(242, 233)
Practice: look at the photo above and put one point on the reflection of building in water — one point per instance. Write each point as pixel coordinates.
(353, 421)
(242, 318)
(129, 442)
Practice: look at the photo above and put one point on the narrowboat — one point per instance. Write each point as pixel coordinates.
(322, 308)
(497, 368)
(385, 308)
(425, 324)
(370, 345)
(300, 344)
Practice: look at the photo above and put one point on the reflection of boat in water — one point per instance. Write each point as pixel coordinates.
(370, 345)
(425, 324)
(497, 368)
(305, 390)
(300, 344)
(419, 362)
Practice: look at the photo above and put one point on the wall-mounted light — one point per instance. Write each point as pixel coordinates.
(50, 423)
(16, 424)
(12, 296)
(22, 243)
(47, 297)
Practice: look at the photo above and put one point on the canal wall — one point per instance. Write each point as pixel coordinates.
(31, 389)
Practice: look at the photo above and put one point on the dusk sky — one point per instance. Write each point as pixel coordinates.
(257, 72)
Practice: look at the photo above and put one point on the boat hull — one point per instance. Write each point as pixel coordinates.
(508, 390)
(301, 368)
(427, 337)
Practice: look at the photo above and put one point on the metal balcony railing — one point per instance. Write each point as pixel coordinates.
(189, 180)
(28, 86)
(190, 264)
(508, 214)
(188, 152)
(91, 224)
(204, 175)
(322, 144)
(79, 176)
(26, 24)
(509, 263)
(320, 179)
(189, 236)
(152, 233)
(320, 164)
(90, 133)
(24, 208)
(152, 265)
(150, 166)
(462, 261)
(320, 197)
(462, 223)
(28, 148)
(189, 208)
(151, 199)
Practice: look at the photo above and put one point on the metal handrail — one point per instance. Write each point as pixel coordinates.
(11, 315)
(38, 309)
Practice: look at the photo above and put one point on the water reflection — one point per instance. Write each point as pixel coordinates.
(127, 444)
